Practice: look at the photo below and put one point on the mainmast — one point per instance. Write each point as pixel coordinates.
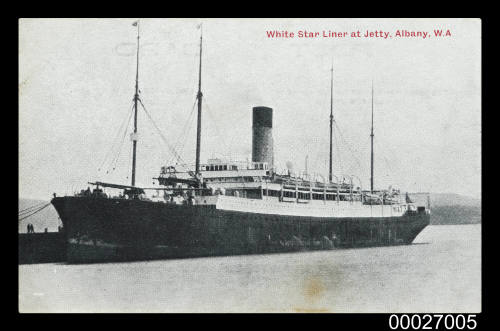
(199, 97)
(330, 175)
(371, 163)
(136, 99)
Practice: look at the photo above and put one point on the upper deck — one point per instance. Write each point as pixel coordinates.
(255, 180)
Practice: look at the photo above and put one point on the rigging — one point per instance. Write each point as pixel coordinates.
(182, 138)
(123, 125)
(34, 212)
(30, 209)
(164, 139)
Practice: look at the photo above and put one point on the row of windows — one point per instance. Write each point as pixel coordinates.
(246, 179)
(260, 166)
(272, 193)
(218, 167)
(315, 190)
(307, 196)
(222, 167)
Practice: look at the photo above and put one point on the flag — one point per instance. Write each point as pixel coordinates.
(198, 26)
(135, 23)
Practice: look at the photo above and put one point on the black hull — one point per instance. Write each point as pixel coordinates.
(41, 247)
(105, 230)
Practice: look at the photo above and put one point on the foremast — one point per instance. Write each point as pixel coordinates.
(371, 153)
(199, 96)
(330, 172)
(136, 99)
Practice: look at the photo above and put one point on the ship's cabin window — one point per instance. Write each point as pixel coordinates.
(304, 196)
(258, 166)
(317, 196)
(272, 193)
(331, 197)
(234, 167)
(218, 167)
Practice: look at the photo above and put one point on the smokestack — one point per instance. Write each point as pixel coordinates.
(262, 136)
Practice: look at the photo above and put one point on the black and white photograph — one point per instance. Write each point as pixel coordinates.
(250, 165)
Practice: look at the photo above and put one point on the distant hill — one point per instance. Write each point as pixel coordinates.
(46, 218)
(449, 208)
(451, 199)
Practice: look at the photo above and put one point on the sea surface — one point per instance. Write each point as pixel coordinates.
(439, 272)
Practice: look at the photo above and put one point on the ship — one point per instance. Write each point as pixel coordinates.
(233, 208)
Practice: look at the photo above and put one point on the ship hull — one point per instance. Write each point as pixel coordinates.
(106, 230)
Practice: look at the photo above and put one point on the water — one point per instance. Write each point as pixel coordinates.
(440, 272)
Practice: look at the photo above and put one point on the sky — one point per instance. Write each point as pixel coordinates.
(77, 79)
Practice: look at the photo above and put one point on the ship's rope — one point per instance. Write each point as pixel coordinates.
(34, 212)
(129, 158)
(184, 139)
(388, 170)
(184, 134)
(348, 146)
(217, 131)
(387, 147)
(115, 160)
(339, 157)
(388, 164)
(123, 127)
(115, 139)
(30, 209)
(164, 139)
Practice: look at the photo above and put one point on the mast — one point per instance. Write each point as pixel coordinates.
(371, 154)
(136, 98)
(331, 126)
(199, 97)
